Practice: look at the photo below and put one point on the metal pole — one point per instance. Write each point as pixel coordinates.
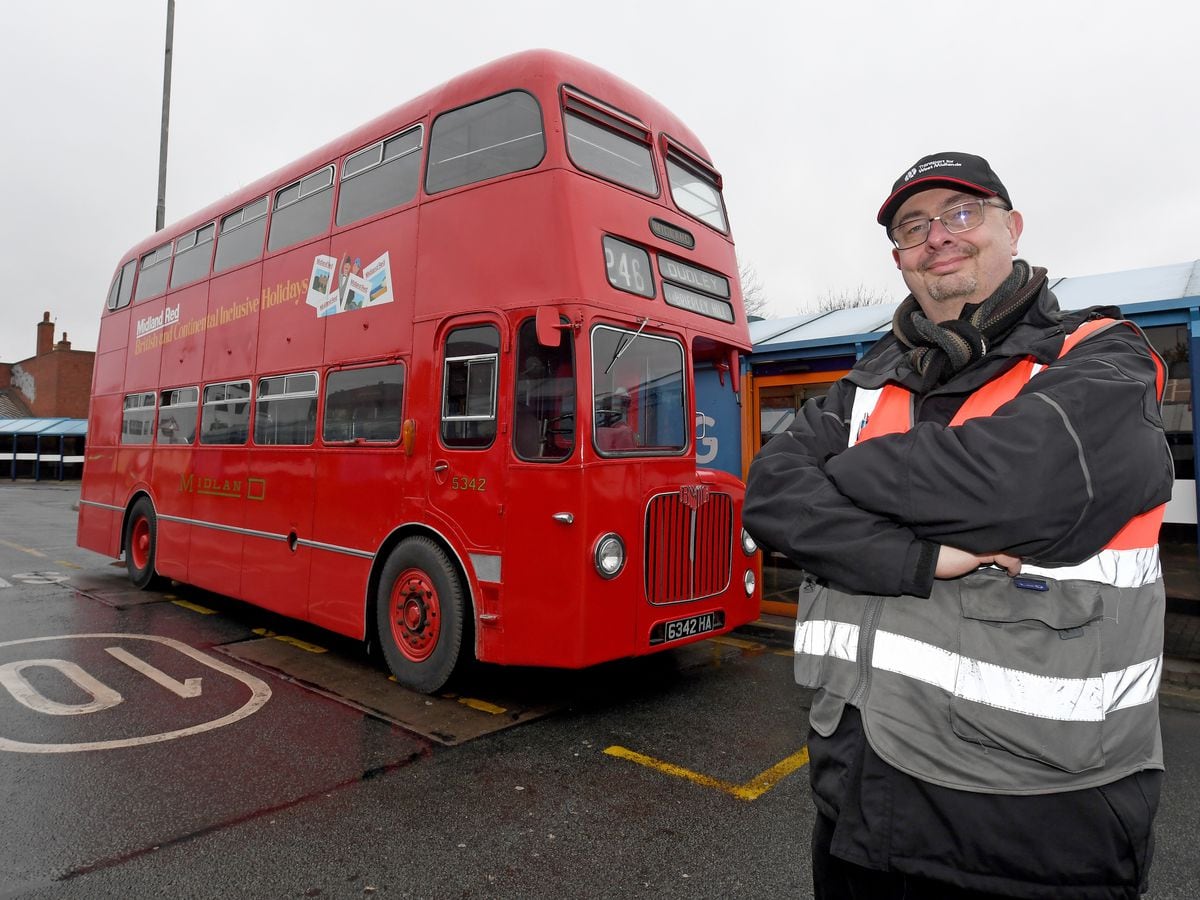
(161, 211)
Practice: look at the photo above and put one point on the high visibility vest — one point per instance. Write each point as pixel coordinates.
(1035, 684)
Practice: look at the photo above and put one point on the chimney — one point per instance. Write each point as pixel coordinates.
(45, 335)
(64, 344)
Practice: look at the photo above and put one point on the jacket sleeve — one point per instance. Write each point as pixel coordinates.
(1050, 477)
(793, 507)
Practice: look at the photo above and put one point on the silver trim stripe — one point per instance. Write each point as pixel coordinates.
(334, 548)
(231, 529)
(1027, 693)
(249, 532)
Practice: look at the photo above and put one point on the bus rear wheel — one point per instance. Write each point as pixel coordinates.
(420, 615)
(141, 545)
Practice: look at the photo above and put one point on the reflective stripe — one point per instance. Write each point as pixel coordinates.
(1027, 693)
(1120, 568)
(825, 638)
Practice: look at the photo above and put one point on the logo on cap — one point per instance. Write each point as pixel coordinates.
(908, 176)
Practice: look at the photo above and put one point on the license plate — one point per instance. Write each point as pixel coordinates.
(678, 629)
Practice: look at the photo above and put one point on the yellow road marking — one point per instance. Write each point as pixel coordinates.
(288, 639)
(735, 642)
(482, 705)
(29, 550)
(195, 607)
(784, 652)
(63, 562)
(751, 790)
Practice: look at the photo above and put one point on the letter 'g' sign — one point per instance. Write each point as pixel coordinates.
(165, 680)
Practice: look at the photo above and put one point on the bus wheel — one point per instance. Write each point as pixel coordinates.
(419, 615)
(141, 544)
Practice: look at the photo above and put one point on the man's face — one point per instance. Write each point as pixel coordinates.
(951, 270)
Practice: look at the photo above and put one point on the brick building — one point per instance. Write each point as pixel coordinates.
(55, 382)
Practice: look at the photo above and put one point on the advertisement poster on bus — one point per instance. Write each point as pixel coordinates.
(336, 289)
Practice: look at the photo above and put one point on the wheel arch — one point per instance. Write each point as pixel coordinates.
(130, 503)
(390, 543)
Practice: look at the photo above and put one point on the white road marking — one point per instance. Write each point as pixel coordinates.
(260, 693)
(185, 689)
(103, 697)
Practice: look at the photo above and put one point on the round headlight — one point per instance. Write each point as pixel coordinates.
(750, 583)
(610, 556)
(749, 547)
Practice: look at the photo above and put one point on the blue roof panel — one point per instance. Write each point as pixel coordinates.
(46, 427)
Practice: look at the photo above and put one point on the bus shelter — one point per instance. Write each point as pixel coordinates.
(42, 449)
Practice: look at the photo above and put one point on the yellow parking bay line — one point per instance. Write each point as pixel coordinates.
(482, 705)
(751, 790)
(288, 639)
(195, 607)
(28, 550)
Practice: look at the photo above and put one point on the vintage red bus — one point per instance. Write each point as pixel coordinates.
(433, 383)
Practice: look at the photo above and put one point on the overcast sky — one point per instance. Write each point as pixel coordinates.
(1088, 111)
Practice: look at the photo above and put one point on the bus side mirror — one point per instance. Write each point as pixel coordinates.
(548, 326)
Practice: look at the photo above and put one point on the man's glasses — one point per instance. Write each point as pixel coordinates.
(955, 220)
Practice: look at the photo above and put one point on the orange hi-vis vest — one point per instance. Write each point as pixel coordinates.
(889, 410)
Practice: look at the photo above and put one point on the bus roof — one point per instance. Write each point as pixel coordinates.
(542, 71)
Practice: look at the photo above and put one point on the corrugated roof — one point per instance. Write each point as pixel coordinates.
(12, 405)
(43, 427)
(1156, 284)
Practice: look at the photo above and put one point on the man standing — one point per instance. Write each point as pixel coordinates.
(976, 507)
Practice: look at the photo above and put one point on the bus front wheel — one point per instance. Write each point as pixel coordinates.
(420, 615)
(141, 544)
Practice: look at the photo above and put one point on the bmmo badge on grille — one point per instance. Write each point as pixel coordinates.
(693, 496)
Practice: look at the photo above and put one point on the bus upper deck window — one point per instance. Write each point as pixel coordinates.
(609, 144)
(696, 190)
(486, 139)
(382, 176)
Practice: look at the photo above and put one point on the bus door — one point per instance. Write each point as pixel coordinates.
(467, 483)
(545, 517)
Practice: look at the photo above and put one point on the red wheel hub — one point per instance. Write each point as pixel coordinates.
(139, 543)
(415, 614)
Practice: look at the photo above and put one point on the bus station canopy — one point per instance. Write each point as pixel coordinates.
(43, 427)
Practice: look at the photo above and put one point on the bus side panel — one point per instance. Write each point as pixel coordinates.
(291, 337)
(183, 340)
(114, 335)
(384, 252)
(231, 327)
(217, 484)
(356, 506)
(477, 251)
(145, 346)
(99, 529)
(279, 501)
(546, 569)
(172, 466)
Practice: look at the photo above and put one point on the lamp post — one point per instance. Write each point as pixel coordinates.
(161, 211)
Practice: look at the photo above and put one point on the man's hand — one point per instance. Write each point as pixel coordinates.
(953, 563)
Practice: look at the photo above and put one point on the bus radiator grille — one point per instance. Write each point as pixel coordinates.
(689, 545)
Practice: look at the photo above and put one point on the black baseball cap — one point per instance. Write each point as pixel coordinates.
(952, 170)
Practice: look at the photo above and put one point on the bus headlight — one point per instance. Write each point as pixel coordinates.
(749, 547)
(750, 583)
(610, 555)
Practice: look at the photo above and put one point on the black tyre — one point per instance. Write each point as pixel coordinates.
(141, 545)
(420, 615)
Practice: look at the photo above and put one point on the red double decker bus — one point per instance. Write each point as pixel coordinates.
(433, 383)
